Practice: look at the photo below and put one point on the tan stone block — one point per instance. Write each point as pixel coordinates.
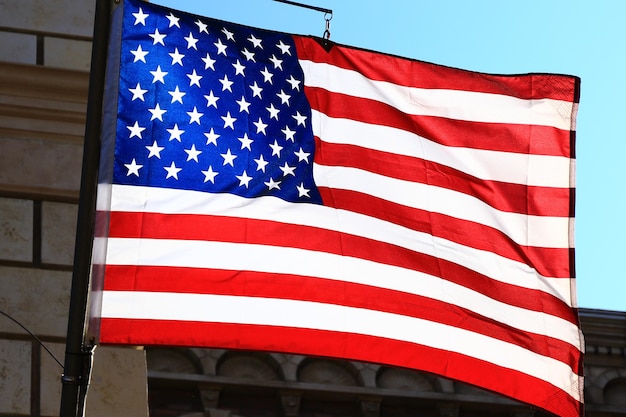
(16, 229)
(18, 47)
(57, 166)
(119, 383)
(58, 232)
(51, 379)
(15, 362)
(39, 299)
(66, 53)
(60, 16)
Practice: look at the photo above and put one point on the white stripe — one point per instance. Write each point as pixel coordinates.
(281, 260)
(525, 230)
(163, 200)
(535, 170)
(310, 315)
(452, 104)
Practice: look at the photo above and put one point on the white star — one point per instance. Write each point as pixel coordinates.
(173, 20)
(285, 49)
(229, 34)
(273, 111)
(284, 98)
(303, 192)
(276, 148)
(228, 158)
(140, 17)
(155, 150)
(194, 115)
(209, 175)
(229, 121)
(299, 118)
(287, 170)
(172, 171)
(239, 68)
(288, 133)
(244, 179)
(249, 55)
(271, 184)
(278, 63)
(175, 132)
(177, 58)
(243, 105)
(267, 76)
(295, 84)
(302, 156)
(255, 42)
(256, 90)
(192, 153)
(201, 26)
(137, 92)
(211, 100)
(177, 95)
(191, 42)
(260, 126)
(158, 75)
(245, 141)
(226, 83)
(261, 163)
(135, 130)
(133, 168)
(157, 112)
(157, 37)
(140, 54)
(194, 78)
(221, 48)
(211, 137)
(208, 62)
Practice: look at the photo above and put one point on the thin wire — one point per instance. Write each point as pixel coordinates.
(34, 337)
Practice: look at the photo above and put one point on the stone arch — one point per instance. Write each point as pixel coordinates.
(249, 365)
(596, 389)
(177, 360)
(615, 392)
(406, 380)
(467, 389)
(208, 358)
(328, 371)
(603, 379)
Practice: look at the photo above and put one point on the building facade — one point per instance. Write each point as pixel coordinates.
(44, 60)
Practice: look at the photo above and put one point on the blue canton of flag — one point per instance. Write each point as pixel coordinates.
(212, 107)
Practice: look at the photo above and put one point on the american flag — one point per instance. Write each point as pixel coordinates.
(269, 191)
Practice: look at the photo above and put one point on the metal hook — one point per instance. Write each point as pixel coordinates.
(328, 16)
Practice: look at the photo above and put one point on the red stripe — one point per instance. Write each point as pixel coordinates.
(295, 287)
(411, 73)
(549, 262)
(515, 198)
(229, 229)
(351, 346)
(517, 138)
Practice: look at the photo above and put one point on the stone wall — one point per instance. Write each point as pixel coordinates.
(45, 51)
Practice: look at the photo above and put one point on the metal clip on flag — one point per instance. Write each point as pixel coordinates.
(261, 192)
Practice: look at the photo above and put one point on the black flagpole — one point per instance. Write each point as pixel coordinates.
(306, 6)
(78, 356)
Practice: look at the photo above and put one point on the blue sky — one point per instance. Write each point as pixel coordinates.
(574, 37)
